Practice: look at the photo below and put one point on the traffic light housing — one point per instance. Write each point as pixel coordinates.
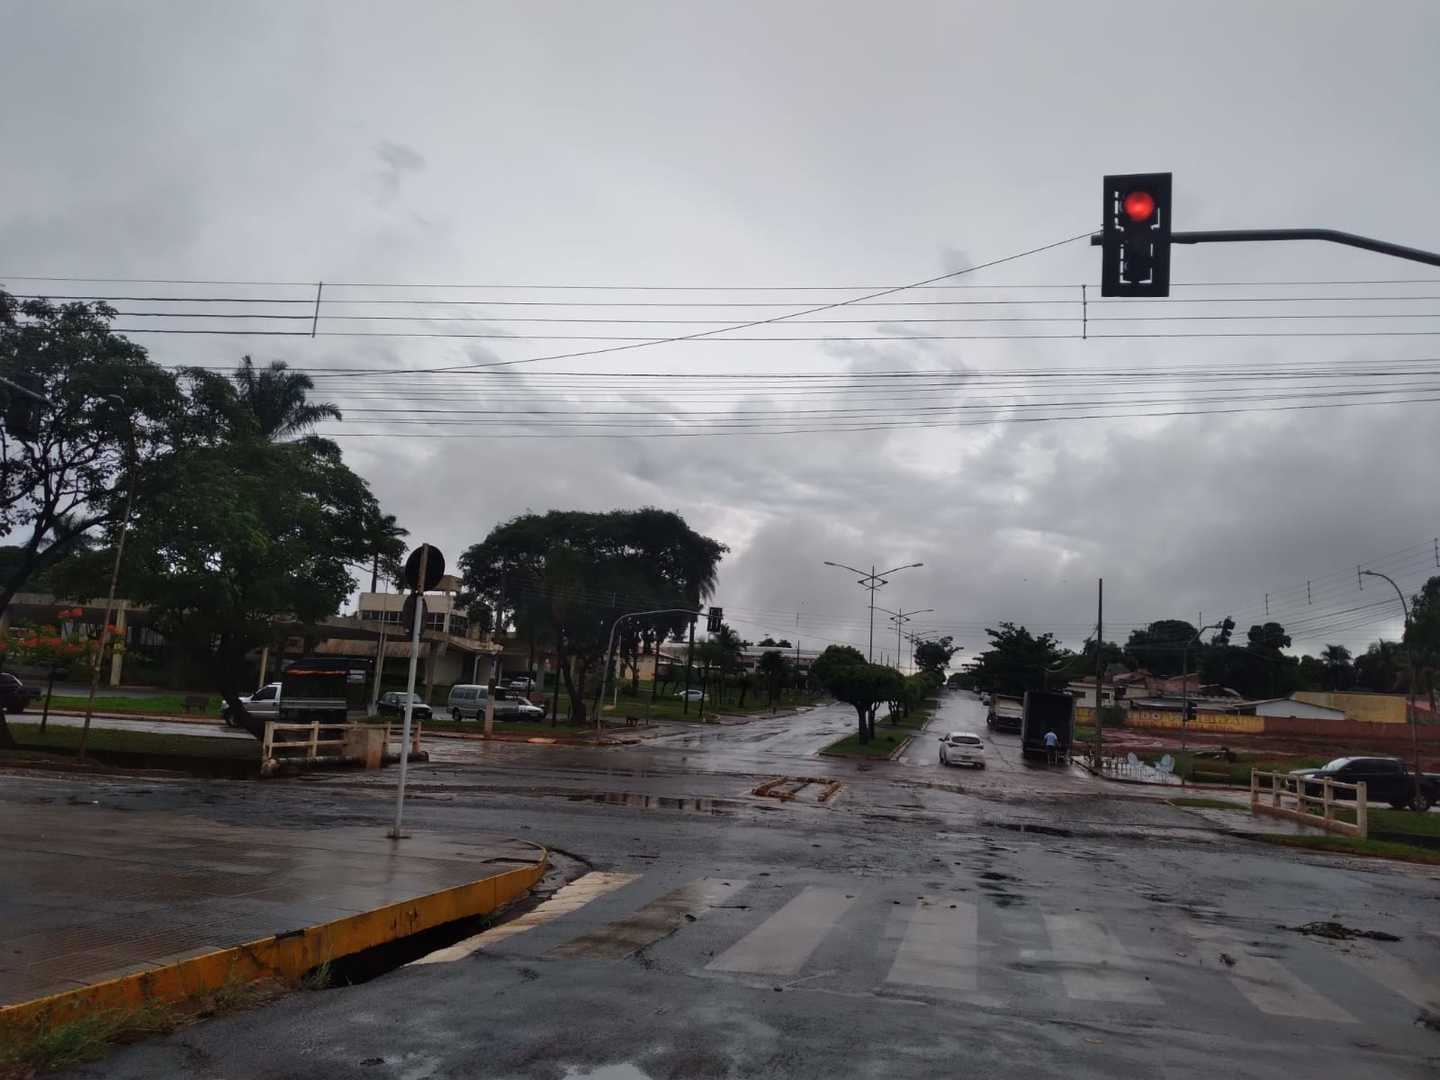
(715, 620)
(1135, 239)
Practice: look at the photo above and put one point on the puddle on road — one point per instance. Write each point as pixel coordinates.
(656, 802)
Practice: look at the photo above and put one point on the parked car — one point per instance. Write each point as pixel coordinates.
(962, 748)
(263, 704)
(984, 698)
(522, 682)
(1388, 780)
(691, 695)
(468, 700)
(15, 696)
(392, 703)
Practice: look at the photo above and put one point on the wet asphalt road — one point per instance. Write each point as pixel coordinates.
(914, 926)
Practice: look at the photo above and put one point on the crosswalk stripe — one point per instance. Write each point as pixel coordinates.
(1266, 983)
(571, 896)
(652, 922)
(940, 948)
(1094, 965)
(1394, 974)
(782, 943)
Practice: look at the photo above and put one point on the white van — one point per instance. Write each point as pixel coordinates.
(467, 701)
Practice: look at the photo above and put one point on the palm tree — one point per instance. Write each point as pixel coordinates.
(276, 397)
(1336, 659)
(389, 546)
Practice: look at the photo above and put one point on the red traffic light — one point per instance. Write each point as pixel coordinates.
(1139, 205)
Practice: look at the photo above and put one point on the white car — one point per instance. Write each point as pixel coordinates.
(962, 748)
(691, 695)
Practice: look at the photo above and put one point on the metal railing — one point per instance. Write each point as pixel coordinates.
(394, 732)
(1293, 797)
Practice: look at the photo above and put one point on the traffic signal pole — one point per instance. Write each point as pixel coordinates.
(1333, 236)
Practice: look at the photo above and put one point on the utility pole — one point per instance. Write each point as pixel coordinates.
(1099, 672)
(872, 581)
(689, 659)
(114, 581)
(1410, 691)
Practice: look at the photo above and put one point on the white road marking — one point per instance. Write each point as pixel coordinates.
(941, 946)
(1394, 974)
(657, 919)
(782, 943)
(1094, 965)
(1266, 983)
(569, 897)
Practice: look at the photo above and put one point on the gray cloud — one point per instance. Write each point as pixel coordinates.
(764, 147)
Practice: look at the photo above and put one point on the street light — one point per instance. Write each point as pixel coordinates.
(1224, 626)
(900, 618)
(872, 581)
(1410, 692)
(610, 648)
(114, 574)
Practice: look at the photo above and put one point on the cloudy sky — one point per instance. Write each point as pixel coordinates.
(714, 158)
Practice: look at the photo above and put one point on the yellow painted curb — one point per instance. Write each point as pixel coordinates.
(285, 956)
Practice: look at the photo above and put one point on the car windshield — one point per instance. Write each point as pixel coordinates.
(1338, 763)
(966, 740)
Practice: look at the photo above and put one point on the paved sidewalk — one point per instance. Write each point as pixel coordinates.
(94, 895)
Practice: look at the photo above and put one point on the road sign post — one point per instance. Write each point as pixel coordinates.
(423, 570)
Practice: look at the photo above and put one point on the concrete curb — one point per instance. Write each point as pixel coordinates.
(285, 956)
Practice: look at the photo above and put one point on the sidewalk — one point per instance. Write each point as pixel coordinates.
(111, 909)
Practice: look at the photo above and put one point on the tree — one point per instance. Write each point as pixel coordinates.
(773, 668)
(1339, 673)
(833, 658)
(935, 655)
(246, 532)
(1016, 660)
(847, 676)
(1381, 667)
(112, 414)
(389, 551)
(574, 572)
(277, 399)
(1160, 647)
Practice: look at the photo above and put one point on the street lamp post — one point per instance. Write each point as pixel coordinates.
(900, 618)
(1184, 690)
(114, 581)
(610, 645)
(1410, 687)
(872, 581)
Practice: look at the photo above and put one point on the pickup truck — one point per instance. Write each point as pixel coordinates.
(1386, 779)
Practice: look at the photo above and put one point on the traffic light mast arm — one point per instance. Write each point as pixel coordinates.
(1334, 236)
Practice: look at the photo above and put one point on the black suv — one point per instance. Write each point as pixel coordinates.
(392, 703)
(1386, 779)
(15, 696)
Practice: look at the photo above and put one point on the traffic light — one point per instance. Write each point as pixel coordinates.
(1223, 638)
(1135, 240)
(716, 620)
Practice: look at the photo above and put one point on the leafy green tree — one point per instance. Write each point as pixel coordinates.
(1381, 667)
(1160, 647)
(1312, 674)
(833, 658)
(1339, 672)
(773, 668)
(387, 558)
(112, 415)
(247, 532)
(278, 400)
(864, 687)
(934, 655)
(572, 573)
(1016, 660)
